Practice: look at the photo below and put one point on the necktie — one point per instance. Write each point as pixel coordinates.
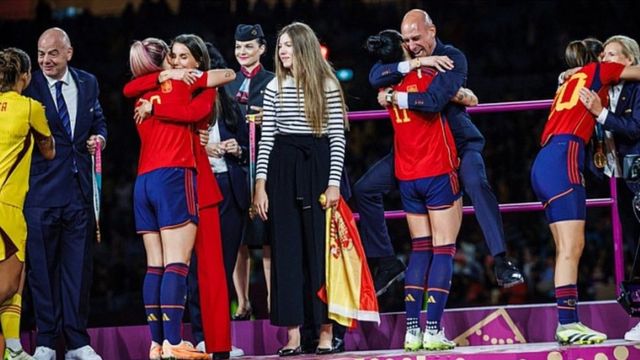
(63, 112)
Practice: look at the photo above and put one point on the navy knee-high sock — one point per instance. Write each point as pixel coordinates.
(172, 298)
(419, 262)
(439, 284)
(151, 299)
(567, 303)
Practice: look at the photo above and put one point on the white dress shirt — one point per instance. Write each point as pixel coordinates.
(218, 165)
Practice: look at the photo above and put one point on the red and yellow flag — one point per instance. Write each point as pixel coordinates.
(349, 291)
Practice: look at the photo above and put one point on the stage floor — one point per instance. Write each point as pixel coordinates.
(522, 332)
(609, 350)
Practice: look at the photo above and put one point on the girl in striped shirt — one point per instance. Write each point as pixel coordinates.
(301, 155)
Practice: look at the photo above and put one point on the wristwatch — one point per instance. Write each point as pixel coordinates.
(389, 97)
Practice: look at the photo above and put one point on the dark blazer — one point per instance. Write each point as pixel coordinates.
(238, 167)
(625, 121)
(256, 87)
(50, 181)
(438, 96)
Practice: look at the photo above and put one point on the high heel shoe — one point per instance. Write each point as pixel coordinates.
(244, 315)
(324, 351)
(282, 352)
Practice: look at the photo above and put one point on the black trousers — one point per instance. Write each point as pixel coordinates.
(298, 174)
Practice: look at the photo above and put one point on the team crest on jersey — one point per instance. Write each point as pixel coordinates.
(412, 88)
(166, 86)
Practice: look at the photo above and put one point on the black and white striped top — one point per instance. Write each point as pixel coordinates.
(285, 115)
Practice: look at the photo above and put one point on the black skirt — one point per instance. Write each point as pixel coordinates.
(298, 174)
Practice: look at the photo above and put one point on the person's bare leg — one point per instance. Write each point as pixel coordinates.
(10, 271)
(326, 336)
(569, 239)
(293, 337)
(10, 316)
(241, 281)
(153, 249)
(177, 243)
(266, 265)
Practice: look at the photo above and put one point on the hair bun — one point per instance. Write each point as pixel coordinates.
(374, 42)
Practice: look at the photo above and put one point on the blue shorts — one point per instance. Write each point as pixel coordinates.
(430, 193)
(165, 198)
(556, 177)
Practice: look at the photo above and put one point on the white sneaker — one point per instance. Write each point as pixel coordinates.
(436, 340)
(20, 354)
(413, 340)
(44, 353)
(201, 347)
(633, 334)
(235, 352)
(84, 353)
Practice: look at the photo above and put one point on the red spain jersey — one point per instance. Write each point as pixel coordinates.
(568, 115)
(423, 143)
(209, 193)
(166, 143)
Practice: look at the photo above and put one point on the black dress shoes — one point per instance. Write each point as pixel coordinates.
(388, 271)
(220, 355)
(507, 274)
(289, 352)
(245, 315)
(324, 351)
(337, 344)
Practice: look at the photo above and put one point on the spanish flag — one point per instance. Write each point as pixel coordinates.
(349, 291)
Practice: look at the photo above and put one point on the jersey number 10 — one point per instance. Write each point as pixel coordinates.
(574, 84)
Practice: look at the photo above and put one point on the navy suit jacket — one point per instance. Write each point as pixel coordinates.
(625, 121)
(256, 87)
(238, 167)
(438, 96)
(50, 182)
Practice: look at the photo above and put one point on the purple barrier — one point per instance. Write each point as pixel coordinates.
(521, 207)
(480, 109)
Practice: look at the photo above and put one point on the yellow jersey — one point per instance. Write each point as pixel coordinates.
(19, 116)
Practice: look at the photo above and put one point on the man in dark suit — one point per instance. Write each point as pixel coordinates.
(61, 226)
(622, 118)
(419, 34)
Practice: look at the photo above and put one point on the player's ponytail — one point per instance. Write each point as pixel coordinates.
(146, 56)
(579, 54)
(386, 46)
(13, 63)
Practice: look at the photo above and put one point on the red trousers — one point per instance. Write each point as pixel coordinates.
(214, 299)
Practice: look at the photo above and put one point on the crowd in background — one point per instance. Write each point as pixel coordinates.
(514, 52)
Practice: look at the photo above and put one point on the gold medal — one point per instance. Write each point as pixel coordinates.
(599, 159)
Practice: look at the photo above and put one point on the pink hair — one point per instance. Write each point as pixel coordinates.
(146, 56)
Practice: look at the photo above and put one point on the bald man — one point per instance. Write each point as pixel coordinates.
(419, 34)
(61, 226)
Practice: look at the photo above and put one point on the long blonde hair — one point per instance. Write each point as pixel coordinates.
(311, 72)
